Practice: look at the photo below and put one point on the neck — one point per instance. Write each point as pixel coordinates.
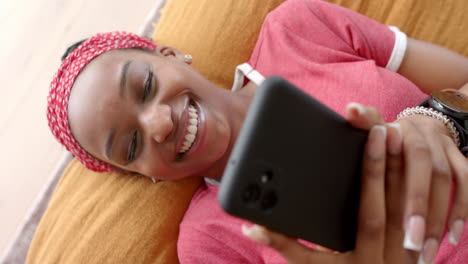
(239, 104)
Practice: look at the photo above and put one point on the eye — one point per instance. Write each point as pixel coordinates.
(132, 148)
(148, 84)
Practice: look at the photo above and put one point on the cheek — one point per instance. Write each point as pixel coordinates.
(149, 164)
(220, 136)
(152, 164)
(172, 76)
(223, 129)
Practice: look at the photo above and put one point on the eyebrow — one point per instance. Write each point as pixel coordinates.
(109, 143)
(123, 77)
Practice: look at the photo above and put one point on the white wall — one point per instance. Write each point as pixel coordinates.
(33, 36)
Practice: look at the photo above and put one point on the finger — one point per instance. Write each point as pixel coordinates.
(418, 169)
(394, 179)
(459, 212)
(439, 197)
(363, 117)
(440, 186)
(394, 184)
(371, 220)
(289, 248)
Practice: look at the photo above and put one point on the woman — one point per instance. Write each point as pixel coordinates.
(147, 111)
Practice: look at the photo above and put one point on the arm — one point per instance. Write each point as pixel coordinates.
(432, 67)
(429, 66)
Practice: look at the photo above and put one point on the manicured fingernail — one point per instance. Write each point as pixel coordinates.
(456, 231)
(396, 126)
(356, 109)
(429, 251)
(381, 128)
(414, 234)
(377, 134)
(395, 145)
(256, 234)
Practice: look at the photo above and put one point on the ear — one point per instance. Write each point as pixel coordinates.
(173, 52)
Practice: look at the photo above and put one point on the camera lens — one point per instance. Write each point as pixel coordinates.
(266, 177)
(251, 193)
(268, 201)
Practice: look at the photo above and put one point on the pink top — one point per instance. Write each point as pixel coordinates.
(335, 55)
(209, 235)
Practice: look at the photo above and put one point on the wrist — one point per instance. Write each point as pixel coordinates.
(438, 121)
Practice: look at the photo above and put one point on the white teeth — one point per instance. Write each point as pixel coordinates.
(191, 129)
(193, 114)
(189, 137)
(193, 121)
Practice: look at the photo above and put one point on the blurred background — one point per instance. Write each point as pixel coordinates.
(34, 35)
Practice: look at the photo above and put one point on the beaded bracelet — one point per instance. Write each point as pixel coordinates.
(420, 110)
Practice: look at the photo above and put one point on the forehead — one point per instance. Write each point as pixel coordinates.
(103, 69)
(94, 97)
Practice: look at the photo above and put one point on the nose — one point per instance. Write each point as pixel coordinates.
(156, 122)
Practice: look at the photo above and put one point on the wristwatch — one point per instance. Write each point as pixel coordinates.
(454, 105)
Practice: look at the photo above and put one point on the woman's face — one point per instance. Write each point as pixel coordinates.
(151, 113)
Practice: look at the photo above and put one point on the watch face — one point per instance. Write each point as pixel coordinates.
(451, 102)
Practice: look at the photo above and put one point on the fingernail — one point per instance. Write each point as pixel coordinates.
(456, 231)
(396, 126)
(414, 234)
(395, 145)
(377, 134)
(429, 251)
(256, 234)
(381, 128)
(356, 109)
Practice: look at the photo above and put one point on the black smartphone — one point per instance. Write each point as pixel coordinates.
(296, 168)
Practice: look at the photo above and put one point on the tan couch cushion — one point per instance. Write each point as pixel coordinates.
(110, 218)
(218, 34)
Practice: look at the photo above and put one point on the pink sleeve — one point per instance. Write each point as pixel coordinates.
(337, 28)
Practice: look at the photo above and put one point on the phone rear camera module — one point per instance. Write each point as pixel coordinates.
(251, 194)
(268, 201)
(266, 177)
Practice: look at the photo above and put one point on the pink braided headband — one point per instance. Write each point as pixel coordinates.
(62, 83)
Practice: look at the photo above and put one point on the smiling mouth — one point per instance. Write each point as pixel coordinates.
(191, 131)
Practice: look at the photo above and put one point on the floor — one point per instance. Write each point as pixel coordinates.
(34, 34)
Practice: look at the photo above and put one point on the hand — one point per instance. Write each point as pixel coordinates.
(371, 241)
(430, 164)
(408, 193)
